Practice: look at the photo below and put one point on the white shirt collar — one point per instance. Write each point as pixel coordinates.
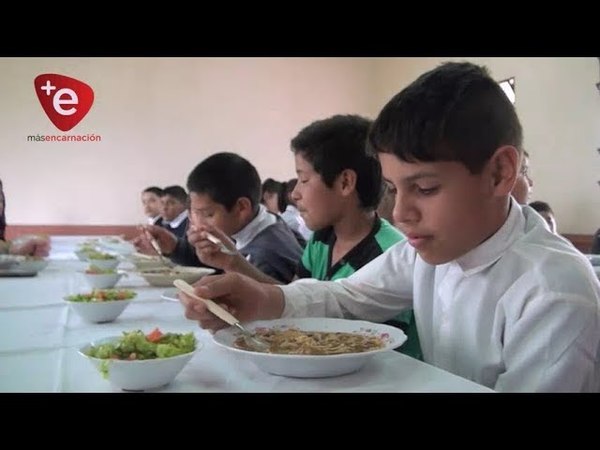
(177, 220)
(494, 247)
(153, 220)
(262, 220)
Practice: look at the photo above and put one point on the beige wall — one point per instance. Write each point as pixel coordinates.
(158, 117)
(559, 107)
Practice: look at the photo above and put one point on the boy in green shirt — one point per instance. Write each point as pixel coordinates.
(338, 190)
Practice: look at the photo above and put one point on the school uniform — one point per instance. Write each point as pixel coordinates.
(520, 312)
(157, 220)
(292, 217)
(177, 226)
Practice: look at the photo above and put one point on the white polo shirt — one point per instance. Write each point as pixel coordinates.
(520, 312)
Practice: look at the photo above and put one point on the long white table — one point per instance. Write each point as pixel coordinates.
(40, 335)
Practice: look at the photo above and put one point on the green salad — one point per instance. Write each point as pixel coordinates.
(102, 295)
(95, 270)
(137, 346)
(100, 255)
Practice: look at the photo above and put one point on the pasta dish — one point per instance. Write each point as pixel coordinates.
(297, 342)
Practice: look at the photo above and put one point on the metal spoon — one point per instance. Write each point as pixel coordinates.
(222, 247)
(224, 315)
(157, 249)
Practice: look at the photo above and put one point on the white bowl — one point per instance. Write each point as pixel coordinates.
(104, 263)
(164, 277)
(594, 259)
(171, 295)
(99, 311)
(117, 245)
(143, 264)
(11, 261)
(313, 366)
(139, 375)
(83, 252)
(32, 265)
(102, 280)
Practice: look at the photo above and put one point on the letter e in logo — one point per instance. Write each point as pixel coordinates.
(65, 100)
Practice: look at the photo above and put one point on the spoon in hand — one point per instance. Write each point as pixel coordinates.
(224, 315)
(222, 247)
(158, 250)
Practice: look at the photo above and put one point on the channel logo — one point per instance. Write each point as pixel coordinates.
(65, 100)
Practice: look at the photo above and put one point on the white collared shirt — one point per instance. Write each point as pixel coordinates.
(520, 312)
(261, 221)
(292, 217)
(153, 220)
(177, 220)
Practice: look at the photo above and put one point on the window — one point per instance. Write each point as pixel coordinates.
(508, 86)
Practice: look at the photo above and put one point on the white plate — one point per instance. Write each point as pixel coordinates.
(32, 265)
(164, 277)
(7, 261)
(313, 366)
(16, 273)
(594, 259)
(170, 294)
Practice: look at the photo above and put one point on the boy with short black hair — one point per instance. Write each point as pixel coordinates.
(174, 201)
(546, 212)
(151, 201)
(224, 196)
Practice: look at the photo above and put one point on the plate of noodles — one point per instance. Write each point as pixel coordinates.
(313, 347)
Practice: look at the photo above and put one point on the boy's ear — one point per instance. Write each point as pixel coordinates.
(347, 181)
(244, 205)
(504, 166)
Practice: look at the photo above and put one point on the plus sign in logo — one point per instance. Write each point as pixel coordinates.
(65, 100)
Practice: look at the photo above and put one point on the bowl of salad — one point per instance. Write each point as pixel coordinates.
(102, 260)
(138, 361)
(101, 305)
(99, 278)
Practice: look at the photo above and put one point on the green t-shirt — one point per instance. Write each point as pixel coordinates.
(316, 259)
(316, 263)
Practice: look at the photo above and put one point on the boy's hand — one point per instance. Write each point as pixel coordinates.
(210, 253)
(243, 297)
(166, 240)
(31, 246)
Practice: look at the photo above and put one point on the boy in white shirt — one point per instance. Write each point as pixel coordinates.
(497, 298)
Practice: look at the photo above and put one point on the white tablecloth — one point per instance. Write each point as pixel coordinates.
(40, 335)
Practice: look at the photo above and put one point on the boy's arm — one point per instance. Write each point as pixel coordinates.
(552, 347)
(184, 254)
(376, 292)
(242, 266)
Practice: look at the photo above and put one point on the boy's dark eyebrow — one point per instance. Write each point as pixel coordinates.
(420, 175)
(207, 208)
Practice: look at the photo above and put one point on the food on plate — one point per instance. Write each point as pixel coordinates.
(100, 255)
(95, 270)
(297, 342)
(102, 295)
